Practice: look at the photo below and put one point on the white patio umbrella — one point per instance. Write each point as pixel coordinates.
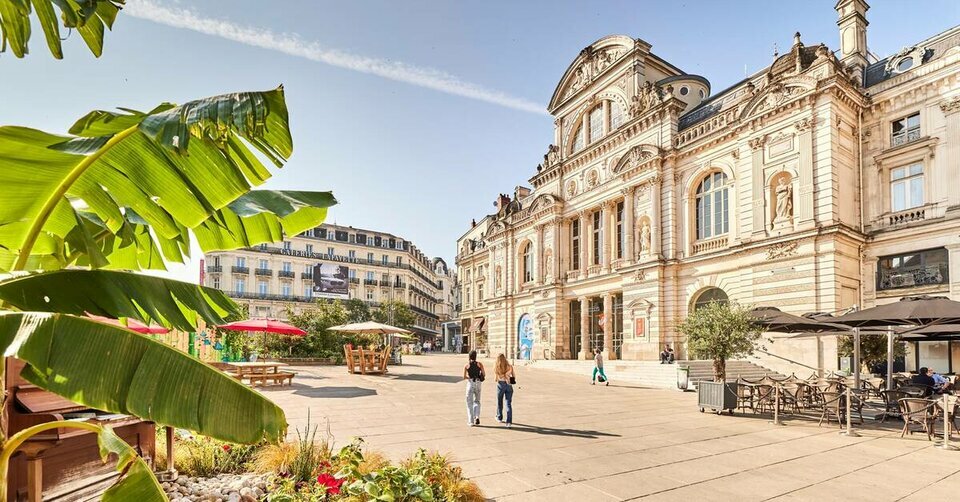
(373, 328)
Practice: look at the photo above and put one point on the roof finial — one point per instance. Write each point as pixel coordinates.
(776, 53)
(796, 39)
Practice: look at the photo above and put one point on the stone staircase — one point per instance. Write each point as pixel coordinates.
(652, 373)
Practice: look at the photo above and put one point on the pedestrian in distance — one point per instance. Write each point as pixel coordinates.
(506, 379)
(474, 374)
(598, 368)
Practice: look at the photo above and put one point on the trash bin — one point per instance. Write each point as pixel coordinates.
(683, 377)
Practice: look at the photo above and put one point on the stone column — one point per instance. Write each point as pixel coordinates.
(758, 189)
(655, 220)
(584, 245)
(584, 328)
(608, 326)
(608, 220)
(629, 227)
(556, 246)
(805, 201)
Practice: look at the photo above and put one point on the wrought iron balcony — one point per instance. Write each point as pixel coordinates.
(385, 284)
(306, 275)
(287, 273)
(214, 269)
(370, 282)
(264, 271)
(354, 280)
(240, 270)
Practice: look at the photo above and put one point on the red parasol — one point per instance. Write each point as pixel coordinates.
(132, 324)
(264, 325)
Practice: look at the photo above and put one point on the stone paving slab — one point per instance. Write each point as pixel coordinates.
(573, 441)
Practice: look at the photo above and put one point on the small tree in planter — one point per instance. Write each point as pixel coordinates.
(721, 331)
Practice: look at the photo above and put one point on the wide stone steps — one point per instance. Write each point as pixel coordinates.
(652, 373)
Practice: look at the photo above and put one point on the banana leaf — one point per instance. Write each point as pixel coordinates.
(175, 167)
(113, 369)
(114, 294)
(88, 17)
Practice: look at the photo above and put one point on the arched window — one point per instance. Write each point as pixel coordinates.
(596, 123)
(708, 296)
(616, 115)
(527, 263)
(712, 205)
(578, 139)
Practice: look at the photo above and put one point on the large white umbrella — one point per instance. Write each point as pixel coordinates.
(372, 328)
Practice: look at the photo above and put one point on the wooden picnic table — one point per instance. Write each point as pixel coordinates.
(261, 372)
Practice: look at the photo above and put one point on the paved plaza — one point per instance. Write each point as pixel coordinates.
(574, 441)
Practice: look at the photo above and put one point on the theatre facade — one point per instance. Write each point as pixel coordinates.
(825, 181)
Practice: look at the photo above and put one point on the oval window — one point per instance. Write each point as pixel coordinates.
(905, 64)
(702, 94)
(684, 91)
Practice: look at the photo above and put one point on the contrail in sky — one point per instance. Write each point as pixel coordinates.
(293, 45)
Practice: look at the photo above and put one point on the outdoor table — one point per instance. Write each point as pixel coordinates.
(257, 369)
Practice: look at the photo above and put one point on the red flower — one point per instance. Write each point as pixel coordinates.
(226, 447)
(330, 484)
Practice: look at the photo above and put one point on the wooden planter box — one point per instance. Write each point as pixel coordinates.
(717, 396)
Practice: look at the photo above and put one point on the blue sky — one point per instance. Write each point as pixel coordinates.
(412, 158)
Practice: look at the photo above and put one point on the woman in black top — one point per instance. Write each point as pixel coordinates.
(474, 374)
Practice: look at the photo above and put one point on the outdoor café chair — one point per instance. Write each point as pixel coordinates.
(891, 400)
(918, 411)
(765, 398)
(873, 386)
(833, 406)
(745, 395)
(791, 394)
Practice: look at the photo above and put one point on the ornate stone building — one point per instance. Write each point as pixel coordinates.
(379, 266)
(824, 181)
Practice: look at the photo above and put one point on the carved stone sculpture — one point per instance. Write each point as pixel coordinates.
(784, 200)
(645, 238)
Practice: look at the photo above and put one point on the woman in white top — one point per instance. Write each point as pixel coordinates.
(505, 381)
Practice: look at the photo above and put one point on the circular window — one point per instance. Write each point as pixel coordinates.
(702, 94)
(684, 91)
(905, 64)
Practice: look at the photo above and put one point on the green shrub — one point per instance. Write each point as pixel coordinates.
(204, 457)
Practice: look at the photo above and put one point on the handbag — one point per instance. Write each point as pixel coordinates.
(513, 380)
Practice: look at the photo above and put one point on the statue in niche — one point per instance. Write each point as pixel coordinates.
(499, 279)
(548, 263)
(645, 238)
(784, 200)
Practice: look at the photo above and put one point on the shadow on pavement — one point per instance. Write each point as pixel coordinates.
(550, 431)
(430, 378)
(333, 392)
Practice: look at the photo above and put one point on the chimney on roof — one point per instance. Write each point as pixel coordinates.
(502, 201)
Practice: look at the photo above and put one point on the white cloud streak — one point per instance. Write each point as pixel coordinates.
(293, 45)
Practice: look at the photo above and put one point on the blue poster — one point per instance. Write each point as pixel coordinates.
(525, 336)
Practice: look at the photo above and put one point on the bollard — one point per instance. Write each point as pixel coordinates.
(776, 404)
(945, 445)
(849, 432)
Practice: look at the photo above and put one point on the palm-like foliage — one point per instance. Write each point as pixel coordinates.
(127, 190)
(88, 17)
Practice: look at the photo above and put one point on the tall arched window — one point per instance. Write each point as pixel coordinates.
(578, 139)
(596, 123)
(708, 296)
(616, 115)
(712, 206)
(527, 263)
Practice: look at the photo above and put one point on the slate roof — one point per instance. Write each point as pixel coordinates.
(936, 47)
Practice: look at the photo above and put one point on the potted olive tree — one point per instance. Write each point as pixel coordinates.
(719, 331)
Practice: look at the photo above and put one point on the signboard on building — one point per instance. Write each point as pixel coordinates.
(525, 336)
(639, 330)
(330, 281)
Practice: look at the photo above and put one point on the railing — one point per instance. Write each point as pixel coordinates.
(267, 296)
(240, 270)
(913, 214)
(385, 284)
(905, 137)
(263, 271)
(214, 269)
(347, 259)
(400, 284)
(287, 273)
(370, 282)
(354, 280)
(306, 275)
(573, 274)
(424, 312)
(708, 245)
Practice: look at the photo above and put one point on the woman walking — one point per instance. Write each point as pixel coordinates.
(598, 368)
(505, 381)
(474, 374)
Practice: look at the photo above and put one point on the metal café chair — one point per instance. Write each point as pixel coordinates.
(920, 412)
(891, 401)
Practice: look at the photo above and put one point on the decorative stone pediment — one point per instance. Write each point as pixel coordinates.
(777, 94)
(636, 157)
(640, 306)
(592, 62)
(543, 202)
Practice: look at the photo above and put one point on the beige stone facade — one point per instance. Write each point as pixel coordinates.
(271, 279)
(793, 188)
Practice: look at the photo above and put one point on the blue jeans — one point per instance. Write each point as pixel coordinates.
(504, 389)
(598, 370)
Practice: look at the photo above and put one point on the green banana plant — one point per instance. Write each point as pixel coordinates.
(88, 17)
(129, 190)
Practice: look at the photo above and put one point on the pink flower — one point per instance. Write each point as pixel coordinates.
(226, 447)
(330, 484)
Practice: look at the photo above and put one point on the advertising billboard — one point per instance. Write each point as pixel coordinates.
(525, 336)
(330, 281)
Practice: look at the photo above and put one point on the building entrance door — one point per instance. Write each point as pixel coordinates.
(574, 328)
(618, 325)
